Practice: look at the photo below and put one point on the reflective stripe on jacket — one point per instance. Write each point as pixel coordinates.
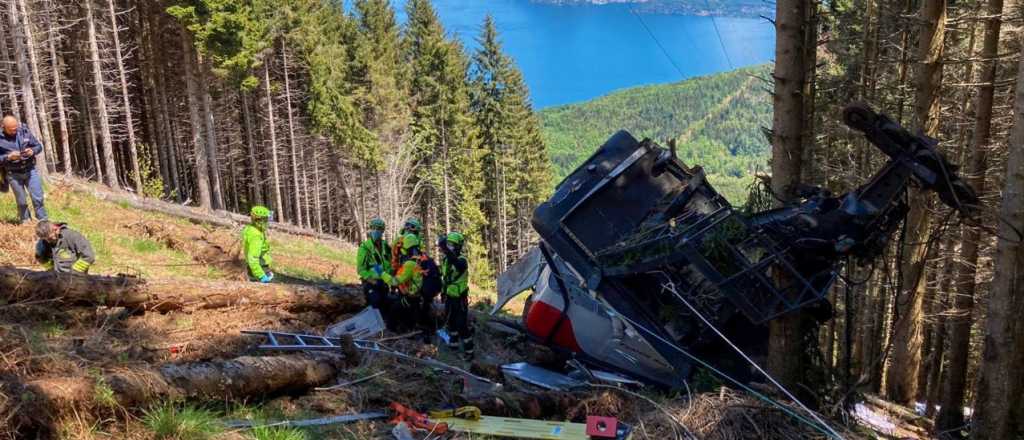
(71, 253)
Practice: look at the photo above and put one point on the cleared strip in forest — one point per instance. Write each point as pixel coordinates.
(715, 111)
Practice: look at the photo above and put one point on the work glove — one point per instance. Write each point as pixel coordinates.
(267, 277)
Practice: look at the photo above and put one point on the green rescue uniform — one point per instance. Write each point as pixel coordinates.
(371, 256)
(257, 251)
(373, 263)
(71, 253)
(455, 282)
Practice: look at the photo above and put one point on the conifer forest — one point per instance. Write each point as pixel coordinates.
(332, 113)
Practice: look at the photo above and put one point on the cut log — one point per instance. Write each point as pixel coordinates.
(901, 412)
(195, 215)
(245, 377)
(136, 293)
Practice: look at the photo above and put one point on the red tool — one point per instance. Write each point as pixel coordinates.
(602, 427)
(415, 419)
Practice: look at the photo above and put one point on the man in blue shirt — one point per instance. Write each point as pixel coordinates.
(18, 151)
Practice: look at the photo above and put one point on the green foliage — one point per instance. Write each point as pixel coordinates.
(232, 34)
(168, 421)
(152, 182)
(277, 433)
(145, 246)
(717, 121)
(515, 157)
(103, 394)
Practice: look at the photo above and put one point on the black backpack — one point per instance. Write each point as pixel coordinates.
(431, 277)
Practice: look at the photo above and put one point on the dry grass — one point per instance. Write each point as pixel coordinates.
(47, 342)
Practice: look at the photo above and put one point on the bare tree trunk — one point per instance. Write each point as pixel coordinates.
(45, 131)
(316, 192)
(12, 93)
(901, 380)
(255, 190)
(194, 102)
(58, 85)
(997, 402)
(126, 98)
(110, 167)
(27, 91)
(212, 158)
(291, 139)
(951, 415)
(787, 344)
(273, 143)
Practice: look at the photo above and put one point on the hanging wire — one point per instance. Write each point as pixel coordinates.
(670, 286)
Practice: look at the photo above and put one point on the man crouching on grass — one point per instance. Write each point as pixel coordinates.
(62, 249)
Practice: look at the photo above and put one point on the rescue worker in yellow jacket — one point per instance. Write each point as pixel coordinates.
(62, 249)
(455, 285)
(373, 260)
(256, 246)
(408, 281)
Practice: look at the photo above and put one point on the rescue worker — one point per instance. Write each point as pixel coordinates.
(455, 285)
(373, 260)
(256, 246)
(408, 281)
(62, 249)
(18, 151)
(412, 226)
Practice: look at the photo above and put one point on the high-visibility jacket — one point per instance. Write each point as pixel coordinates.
(408, 278)
(71, 253)
(370, 255)
(257, 251)
(455, 276)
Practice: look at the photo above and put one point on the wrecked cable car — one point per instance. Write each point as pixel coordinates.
(641, 262)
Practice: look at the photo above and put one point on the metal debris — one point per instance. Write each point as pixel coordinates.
(249, 424)
(541, 377)
(364, 325)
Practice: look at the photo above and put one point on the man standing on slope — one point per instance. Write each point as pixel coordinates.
(62, 249)
(18, 151)
(373, 260)
(455, 279)
(256, 246)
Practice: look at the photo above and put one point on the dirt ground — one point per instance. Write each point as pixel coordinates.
(52, 343)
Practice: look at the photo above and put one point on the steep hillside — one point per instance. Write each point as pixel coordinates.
(77, 364)
(717, 121)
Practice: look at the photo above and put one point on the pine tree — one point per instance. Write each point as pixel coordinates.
(510, 135)
(445, 134)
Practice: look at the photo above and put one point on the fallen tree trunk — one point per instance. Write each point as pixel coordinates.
(901, 412)
(136, 293)
(195, 215)
(245, 377)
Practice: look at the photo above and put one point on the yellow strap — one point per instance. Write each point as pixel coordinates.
(465, 412)
(81, 266)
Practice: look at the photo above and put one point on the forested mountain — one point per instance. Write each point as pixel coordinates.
(330, 117)
(717, 121)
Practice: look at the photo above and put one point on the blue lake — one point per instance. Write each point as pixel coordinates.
(574, 53)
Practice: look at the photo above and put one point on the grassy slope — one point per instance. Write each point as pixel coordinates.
(717, 120)
(119, 250)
